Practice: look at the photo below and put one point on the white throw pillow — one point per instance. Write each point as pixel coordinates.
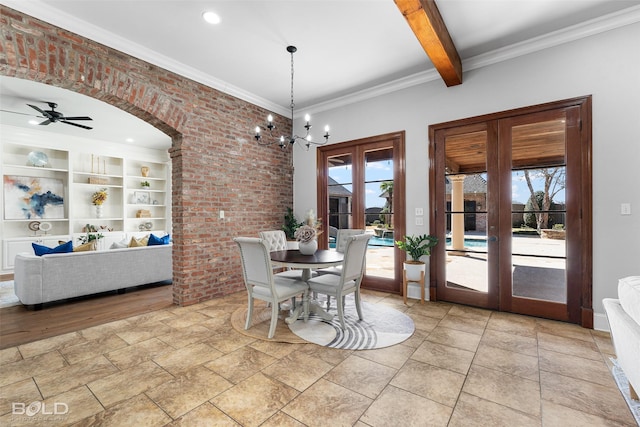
(124, 243)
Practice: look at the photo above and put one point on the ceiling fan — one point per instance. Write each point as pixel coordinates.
(54, 116)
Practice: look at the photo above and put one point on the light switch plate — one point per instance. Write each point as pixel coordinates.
(625, 209)
(419, 212)
(419, 221)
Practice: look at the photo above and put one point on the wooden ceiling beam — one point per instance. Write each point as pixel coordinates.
(427, 24)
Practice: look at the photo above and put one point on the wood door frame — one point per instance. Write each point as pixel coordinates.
(358, 147)
(580, 307)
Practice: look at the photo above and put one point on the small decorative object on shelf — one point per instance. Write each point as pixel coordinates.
(38, 159)
(145, 184)
(143, 213)
(144, 170)
(45, 226)
(92, 234)
(145, 226)
(98, 198)
(97, 180)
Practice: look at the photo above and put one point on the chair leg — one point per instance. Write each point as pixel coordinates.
(328, 302)
(249, 313)
(274, 320)
(340, 312)
(358, 308)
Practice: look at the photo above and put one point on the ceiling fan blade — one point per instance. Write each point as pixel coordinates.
(37, 109)
(46, 122)
(76, 118)
(75, 124)
(16, 112)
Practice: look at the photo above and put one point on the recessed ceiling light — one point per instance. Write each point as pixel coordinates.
(129, 140)
(211, 17)
(33, 122)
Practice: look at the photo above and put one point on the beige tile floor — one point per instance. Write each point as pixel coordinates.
(186, 366)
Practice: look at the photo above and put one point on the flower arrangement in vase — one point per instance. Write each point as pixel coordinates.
(307, 234)
(98, 198)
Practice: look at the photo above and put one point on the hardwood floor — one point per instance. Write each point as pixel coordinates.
(19, 325)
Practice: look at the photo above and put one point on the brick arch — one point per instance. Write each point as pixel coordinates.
(215, 166)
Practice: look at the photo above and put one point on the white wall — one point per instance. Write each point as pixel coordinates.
(606, 66)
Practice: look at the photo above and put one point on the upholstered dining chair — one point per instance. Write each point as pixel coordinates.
(276, 240)
(341, 243)
(350, 277)
(262, 284)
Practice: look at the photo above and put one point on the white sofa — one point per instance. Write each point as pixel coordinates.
(624, 321)
(41, 279)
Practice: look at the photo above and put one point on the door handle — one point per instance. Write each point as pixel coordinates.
(493, 238)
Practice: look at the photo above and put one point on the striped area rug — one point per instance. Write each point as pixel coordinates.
(382, 326)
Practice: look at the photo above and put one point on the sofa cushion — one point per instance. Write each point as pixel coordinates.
(45, 250)
(154, 240)
(89, 246)
(124, 243)
(135, 243)
(629, 296)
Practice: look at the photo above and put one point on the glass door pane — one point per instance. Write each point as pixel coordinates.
(379, 212)
(466, 190)
(340, 194)
(539, 254)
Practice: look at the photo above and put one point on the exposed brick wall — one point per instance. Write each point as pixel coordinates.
(215, 162)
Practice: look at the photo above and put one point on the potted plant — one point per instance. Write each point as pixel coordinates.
(145, 184)
(416, 247)
(291, 224)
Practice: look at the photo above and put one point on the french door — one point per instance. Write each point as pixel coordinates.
(361, 185)
(512, 204)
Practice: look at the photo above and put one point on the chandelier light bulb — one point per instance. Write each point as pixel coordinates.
(283, 142)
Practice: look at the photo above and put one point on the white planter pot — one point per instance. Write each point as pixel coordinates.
(414, 270)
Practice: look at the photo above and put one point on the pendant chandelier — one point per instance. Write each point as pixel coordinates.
(282, 141)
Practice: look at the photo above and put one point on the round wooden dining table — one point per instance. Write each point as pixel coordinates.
(322, 258)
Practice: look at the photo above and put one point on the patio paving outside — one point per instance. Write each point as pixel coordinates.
(533, 277)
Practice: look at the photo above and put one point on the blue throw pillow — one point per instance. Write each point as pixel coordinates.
(61, 249)
(154, 240)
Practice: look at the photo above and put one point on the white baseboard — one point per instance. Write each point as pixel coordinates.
(600, 322)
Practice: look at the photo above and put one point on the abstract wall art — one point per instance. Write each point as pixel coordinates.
(28, 197)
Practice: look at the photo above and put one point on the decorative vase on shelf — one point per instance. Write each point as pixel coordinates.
(308, 248)
(144, 170)
(98, 211)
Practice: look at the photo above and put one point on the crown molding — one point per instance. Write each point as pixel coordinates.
(588, 28)
(41, 10)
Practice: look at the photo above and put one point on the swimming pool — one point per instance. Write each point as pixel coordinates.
(373, 241)
(471, 243)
